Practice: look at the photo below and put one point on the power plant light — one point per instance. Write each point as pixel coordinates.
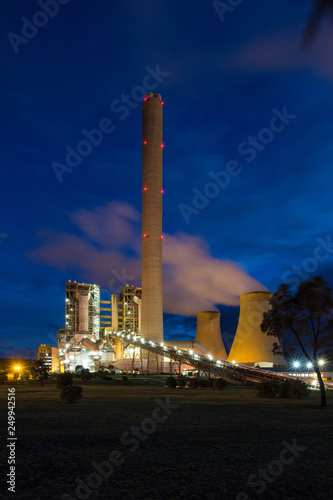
(296, 364)
(321, 362)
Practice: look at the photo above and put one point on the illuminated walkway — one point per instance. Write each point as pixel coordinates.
(219, 367)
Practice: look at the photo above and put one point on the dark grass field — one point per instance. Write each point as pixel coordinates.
(212, 445)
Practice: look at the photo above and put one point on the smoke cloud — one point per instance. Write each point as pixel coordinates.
(107, 250)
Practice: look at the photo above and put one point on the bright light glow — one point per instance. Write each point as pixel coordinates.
(144, 142)
(296, 364)
(309, 365)
(17, 368)
(162, 191)
(145, 235)
(145, 188)
(162, 102)
(162, 344)
(314, 382)
(233, 362)
(162, 236)
(162, 145)
(321, 362)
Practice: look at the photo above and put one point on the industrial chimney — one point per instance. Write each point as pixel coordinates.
(152, 192)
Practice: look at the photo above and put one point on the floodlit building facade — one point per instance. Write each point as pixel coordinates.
(85, 339)
(82, 308)
(49, 355)
(123, 312)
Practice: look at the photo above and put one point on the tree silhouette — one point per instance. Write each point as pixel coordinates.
(320, 9)
(303, 320)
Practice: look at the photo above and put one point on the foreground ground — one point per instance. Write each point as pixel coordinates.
(208, 445)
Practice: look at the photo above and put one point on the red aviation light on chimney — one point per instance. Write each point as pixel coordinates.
(145, 235)
(162, 191)
(162, 102)
(145, 188)
(144, 142)
(146, 98)
(162, 145)
(162, 236)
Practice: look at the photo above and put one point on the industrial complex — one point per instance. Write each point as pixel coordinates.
(122, 332)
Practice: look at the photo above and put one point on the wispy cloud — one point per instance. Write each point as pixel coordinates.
(111, 239)
(282, 52)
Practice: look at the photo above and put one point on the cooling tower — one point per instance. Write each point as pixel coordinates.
(152, 191)
(209, 333)
(250, 344)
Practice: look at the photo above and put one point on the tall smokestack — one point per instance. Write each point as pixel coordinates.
(152, 192)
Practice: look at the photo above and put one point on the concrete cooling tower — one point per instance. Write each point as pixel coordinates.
(209, 333)
(250, 344)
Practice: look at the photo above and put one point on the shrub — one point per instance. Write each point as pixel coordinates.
(219, 383)
(298, 389)
(283, 389)
(171, 382)
(193, 383)
(202, 383)
(70, 393)
(210, 383)
(267, 389)
(181, 382)
(85, 374)
(100, 374)
(64, 379)
(3, 377)
(125, 378)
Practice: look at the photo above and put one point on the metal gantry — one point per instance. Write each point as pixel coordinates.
(218, 367)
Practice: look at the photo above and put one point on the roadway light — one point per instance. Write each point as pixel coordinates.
(17, 368)
(321, 362)
(296, 364)
(309, 365)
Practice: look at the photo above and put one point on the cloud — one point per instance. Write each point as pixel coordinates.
(282, 52)
(109, 253)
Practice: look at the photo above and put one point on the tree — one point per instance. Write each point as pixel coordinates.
(41, 370)
(320, 9)
(303, 320)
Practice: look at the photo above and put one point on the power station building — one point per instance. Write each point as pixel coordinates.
(89, 320)
(82, 308)
(124, 312)
(88, 338)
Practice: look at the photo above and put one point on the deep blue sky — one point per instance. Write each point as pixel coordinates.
(221, 82)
